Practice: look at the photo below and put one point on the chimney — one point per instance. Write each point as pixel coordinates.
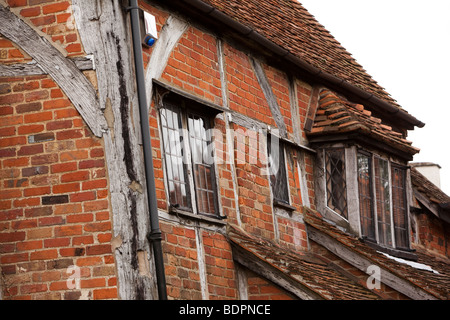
(430, 170)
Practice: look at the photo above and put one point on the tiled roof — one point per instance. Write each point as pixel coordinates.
(427, 188)
(289, 25)
(436, 283)
(335, 115)
(304, 268)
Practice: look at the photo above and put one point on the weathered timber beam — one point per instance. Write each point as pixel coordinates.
(270, 97)
(169, 36)
(386, 276)
(33, 69)
(64, 71)
(105, 33)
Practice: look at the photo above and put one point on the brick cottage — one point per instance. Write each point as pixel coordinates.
(271, 165)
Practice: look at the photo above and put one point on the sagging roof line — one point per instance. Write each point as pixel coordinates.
(283, 53)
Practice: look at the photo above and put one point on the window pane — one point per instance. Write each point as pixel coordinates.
(277, 170)
(383, 201)
(365, 196)
(335, 181)
(399, 207)
(171, 128)
(202, 163)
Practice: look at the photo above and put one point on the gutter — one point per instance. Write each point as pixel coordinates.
(154, 236)
(316, 72)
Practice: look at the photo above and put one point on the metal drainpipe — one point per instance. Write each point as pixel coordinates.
(155, 233)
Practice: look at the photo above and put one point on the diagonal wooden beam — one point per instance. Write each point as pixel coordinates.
(63, 70)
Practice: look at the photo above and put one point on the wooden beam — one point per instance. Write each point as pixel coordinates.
(169, 36)
(362, 263)
(64, 71)
(105, 33)
(312, 108)
(32, 68)
(270, 97)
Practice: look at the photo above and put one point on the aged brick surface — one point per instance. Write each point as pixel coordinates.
(54, 196)
(55, 212)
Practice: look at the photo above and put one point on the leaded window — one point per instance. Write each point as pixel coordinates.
(189, 159)
(336, 186)
(365, 196)
(382, 201)
(399, 207)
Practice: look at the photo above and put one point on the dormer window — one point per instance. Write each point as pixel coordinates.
(365, 193)
(382, 201)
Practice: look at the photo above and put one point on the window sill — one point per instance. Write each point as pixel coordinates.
(218, 220)
(283, 205)
(407, 254)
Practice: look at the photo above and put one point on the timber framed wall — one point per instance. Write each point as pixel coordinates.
(60, 207)
(55, 217)
(73, 207)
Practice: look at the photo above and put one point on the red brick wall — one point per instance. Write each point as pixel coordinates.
(194, 67)
(262, 289)
(52, 17)
(54, 199)
(55, 210)
(433, 234)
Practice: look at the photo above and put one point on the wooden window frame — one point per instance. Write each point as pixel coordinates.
(188, 108)
(375, 202)
(344, 213)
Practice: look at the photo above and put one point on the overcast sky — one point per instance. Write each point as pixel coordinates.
(405, 46)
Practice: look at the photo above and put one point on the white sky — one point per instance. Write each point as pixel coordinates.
(405, 46)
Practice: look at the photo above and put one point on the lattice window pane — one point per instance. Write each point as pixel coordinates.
(171, 127)
(399, 207)
(202, 163)
(365, 196)
(335, 181)
(382, 191)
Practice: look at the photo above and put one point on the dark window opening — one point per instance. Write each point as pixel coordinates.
(277, 170)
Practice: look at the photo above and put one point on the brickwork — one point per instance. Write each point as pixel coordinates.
(245, 94)
(10, 53)
(280, 87)
(220, 270)
(194, 67)
(54, 18)
(262, 289)
(55, 213)
(253, 187)
(433, 234)
(181, 264)
(54, 200)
